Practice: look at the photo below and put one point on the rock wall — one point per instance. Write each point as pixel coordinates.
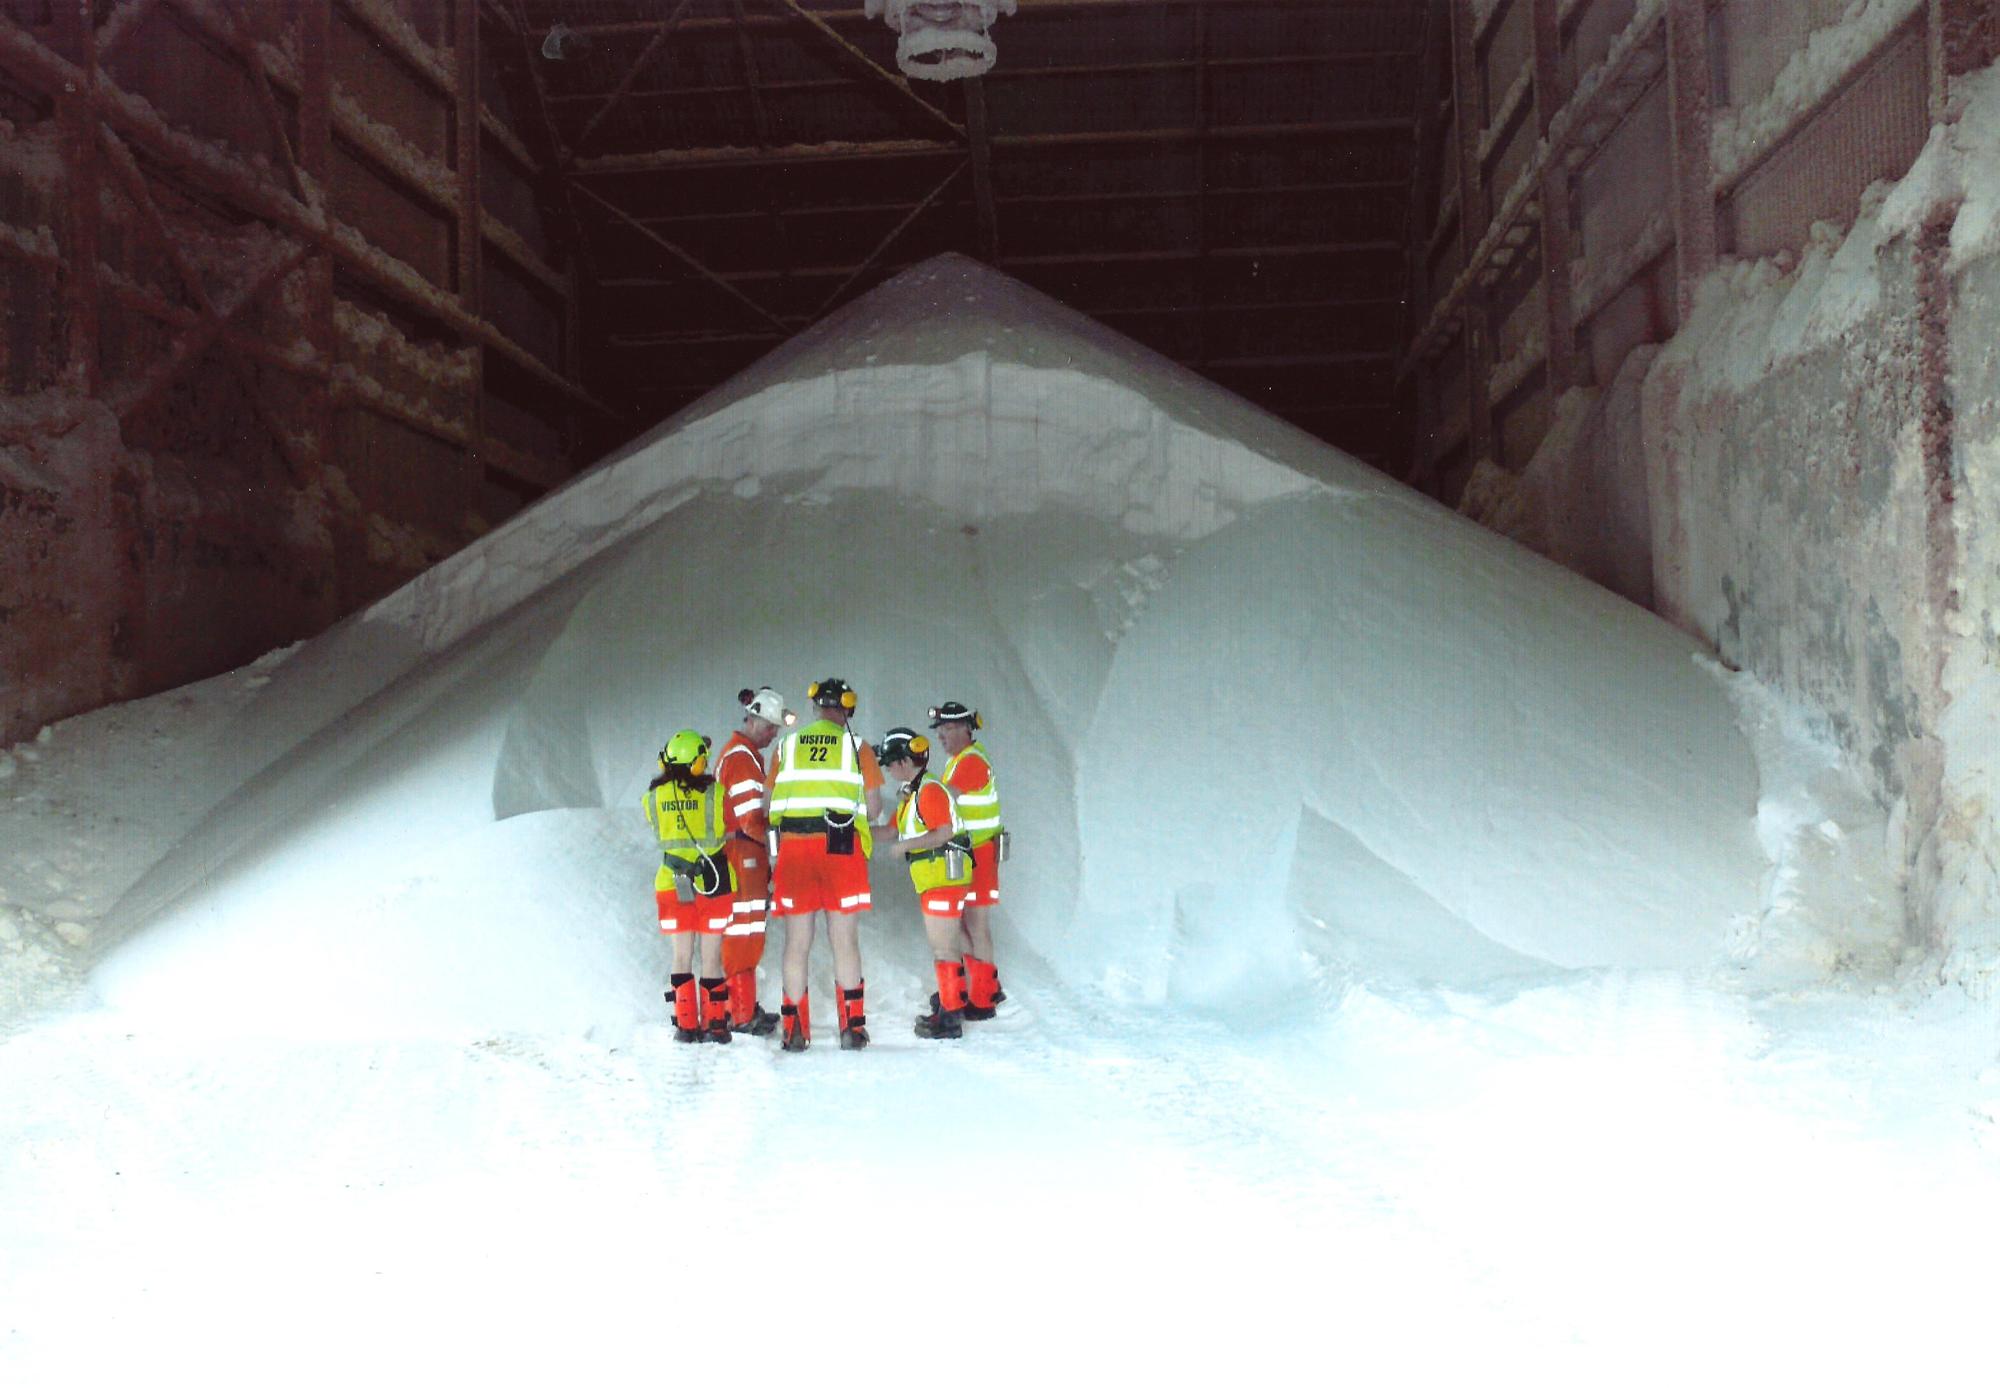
(1810, 472)
(1958, 868)
(1821, 443)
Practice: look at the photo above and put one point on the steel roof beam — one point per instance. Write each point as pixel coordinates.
(1031, 200)
(1028, 9)
(1003, 73)
(662, 160)
(661, 30)
(867, 64)
(1162, 257)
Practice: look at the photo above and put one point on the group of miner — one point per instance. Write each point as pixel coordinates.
(784, 825)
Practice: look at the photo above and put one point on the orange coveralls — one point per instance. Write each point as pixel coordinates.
(740, 772)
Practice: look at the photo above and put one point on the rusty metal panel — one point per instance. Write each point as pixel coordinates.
(391, 219)
(1760, 36)
(1513, 154)
(425, 18)
(1509, 53)
(1519, 314)
(509, 196)
(1601, 23)
(521, 429)
(1628, 183)
(1444, 270)
(401, 473)
(1521, 422)
(1642, 312)
(31, 338)
(1872, 129)
(1452, 396)
(523, 311)
(388, 92)
(197, 87)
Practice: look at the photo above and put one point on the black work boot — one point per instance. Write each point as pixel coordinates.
(761, 1023)
(969, 1013)
(939, 1024)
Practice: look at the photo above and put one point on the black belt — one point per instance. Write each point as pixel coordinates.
(814, 825)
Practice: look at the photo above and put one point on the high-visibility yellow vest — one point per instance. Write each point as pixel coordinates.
(980, 809)
(819, 774)
(931, 868)
(689, 823)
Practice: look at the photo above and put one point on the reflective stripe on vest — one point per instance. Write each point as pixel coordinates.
(980, 809)
(688, 821)
(818, 770)
(931, 871)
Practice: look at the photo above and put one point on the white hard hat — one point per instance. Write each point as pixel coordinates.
(766, 704)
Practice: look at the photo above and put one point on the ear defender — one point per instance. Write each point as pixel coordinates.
(828, 692)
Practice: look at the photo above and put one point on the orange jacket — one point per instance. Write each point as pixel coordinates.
(740, 772)
(972, 772)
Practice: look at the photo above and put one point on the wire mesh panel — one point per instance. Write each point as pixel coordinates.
(1871, 128)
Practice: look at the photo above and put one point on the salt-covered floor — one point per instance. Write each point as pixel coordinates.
(1424, 966)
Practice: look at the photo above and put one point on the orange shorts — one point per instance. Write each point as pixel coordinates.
(806, 878)
(985, 888)
(705, 915)
(945, 903)
(753, 886)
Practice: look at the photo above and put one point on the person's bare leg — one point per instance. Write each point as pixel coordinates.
(798, 952)
(683, 951)
(977, 932)
(711, 956)
(947, 940)
(843, 932)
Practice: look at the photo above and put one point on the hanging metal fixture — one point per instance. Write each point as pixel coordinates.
(942, 40)
(563, 42)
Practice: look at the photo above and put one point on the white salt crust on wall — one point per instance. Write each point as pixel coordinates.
(1785, 439)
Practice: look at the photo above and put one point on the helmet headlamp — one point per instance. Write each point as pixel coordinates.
(951, 711)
